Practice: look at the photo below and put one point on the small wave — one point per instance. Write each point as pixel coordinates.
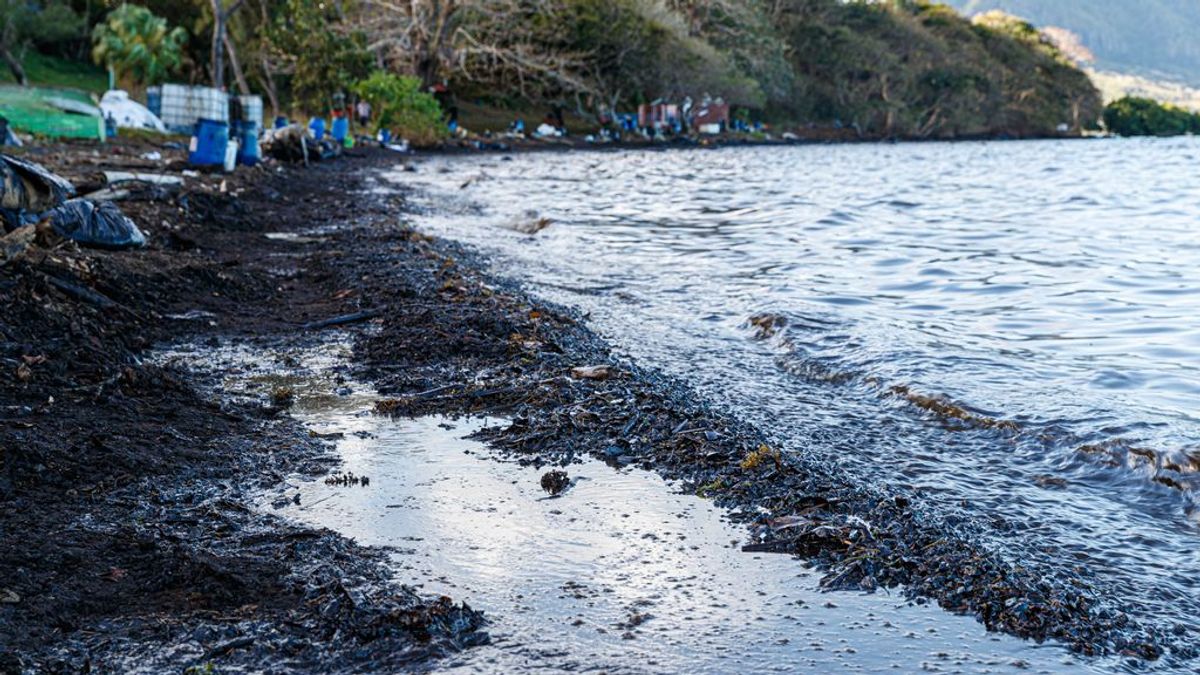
(1176, 469)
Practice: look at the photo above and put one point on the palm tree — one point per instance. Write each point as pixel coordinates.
(134, 42)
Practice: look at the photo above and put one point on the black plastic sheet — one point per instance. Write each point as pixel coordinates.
(96, 224)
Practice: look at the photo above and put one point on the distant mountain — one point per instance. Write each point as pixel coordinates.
(1152, 38)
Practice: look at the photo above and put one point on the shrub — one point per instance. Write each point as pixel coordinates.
(400, 105)
(319, 56)
(1133, 116)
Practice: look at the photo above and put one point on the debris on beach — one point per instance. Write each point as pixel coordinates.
(600, 372)
(27, 187)
(294, 144)
(30, 194)
(283, 397)
(555, 482)
(347, 479)
(531, 223)
(100, 431)
(96, 224)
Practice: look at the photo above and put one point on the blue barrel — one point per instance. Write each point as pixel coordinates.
(317, 126)
(209, 141)
(154, 101)
(281, 122)
(248, 153)
(341, 129)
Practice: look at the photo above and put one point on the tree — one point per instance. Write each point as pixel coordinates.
(596, 52)
(134, 42)
(221, 44)
(26, 21)
(318, 53)
(399, 104)
(1133, 116)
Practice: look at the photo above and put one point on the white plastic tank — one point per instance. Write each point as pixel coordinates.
(181, 105)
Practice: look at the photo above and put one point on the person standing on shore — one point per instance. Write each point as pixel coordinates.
(363, 111)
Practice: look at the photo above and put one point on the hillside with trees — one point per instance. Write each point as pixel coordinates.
(1151, 38)
(894, 68)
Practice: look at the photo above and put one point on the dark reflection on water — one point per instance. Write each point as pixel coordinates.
(1008, 328)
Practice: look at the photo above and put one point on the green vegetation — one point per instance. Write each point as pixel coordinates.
(319, 56)
(917, 69)
(135, 43)
(1143, 37)
(27, 22)
(886, 68)
(883, 68)
(54, 71)
(399, 104)
(1132, 116)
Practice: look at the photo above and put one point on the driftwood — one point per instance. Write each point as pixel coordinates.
(81, 293)
(342, 320)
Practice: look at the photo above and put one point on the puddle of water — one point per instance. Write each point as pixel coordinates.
(619, 574)
(294, 237)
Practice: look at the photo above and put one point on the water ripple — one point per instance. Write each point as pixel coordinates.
(1008, 327)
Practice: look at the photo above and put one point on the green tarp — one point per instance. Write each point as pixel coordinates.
(59, 113)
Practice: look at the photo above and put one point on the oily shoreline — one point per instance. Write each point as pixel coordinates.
(130, 540)
(232, 587)
(576, 143)
(521, 359)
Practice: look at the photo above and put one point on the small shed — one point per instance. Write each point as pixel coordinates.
(657, 115)
(711, 118)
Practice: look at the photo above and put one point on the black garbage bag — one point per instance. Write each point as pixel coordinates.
(100, 225)
(28, 188)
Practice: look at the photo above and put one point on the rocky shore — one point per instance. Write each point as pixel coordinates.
(129, 537)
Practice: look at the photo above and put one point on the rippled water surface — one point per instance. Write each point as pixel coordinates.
(1008, 329)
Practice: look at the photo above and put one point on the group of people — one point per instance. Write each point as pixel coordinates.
(613, 126)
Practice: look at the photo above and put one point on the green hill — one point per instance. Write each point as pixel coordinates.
(918, 70)
(58, 72)
(1153, 38)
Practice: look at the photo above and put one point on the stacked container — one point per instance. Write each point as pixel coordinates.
(180, 106)
(248, 129)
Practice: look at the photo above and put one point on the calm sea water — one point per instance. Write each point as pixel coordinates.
(1009, 329)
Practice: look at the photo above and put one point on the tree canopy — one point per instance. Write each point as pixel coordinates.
(906, 68)
(1133, 116)
(134, 42)
(23, 22)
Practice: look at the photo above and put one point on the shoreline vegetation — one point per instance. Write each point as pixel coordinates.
(147, 484)
(455, 73)
(896, 69)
